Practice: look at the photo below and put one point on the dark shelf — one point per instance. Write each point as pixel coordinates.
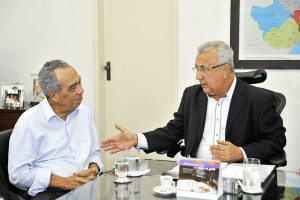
(10, 115)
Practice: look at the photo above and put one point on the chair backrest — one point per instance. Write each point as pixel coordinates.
(252, 77)
(259, 76)
(4, 143)
(280, 102)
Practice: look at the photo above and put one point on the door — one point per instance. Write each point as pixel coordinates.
(140, 42)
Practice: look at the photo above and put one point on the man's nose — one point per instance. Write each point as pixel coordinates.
(199, 75)
(80, 89)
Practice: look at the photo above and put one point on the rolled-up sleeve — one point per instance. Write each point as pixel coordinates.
(41, 181)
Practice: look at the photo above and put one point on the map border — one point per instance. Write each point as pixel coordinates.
(252, 64)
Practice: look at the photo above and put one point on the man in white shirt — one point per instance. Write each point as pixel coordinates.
(54, 145)
(221, 118)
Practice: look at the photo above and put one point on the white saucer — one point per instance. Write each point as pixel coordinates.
(139, 173)
(159, 190)
(250, 191)
(253, 191)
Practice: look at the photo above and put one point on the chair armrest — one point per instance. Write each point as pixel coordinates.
(171, 152)
(279, 159)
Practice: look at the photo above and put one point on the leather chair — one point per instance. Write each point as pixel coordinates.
(4, 143)
(252, 77)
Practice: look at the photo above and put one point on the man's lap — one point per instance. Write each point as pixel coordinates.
(49, 194)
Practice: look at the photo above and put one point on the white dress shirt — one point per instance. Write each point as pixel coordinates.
(215, 122)
(43, 144)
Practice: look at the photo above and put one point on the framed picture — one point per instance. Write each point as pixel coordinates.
(37, 94)
(12, 94)
(265, 34)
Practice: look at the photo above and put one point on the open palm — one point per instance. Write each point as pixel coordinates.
(120, 142)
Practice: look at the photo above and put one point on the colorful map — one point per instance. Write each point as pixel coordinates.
(280, 24)
(269, 30)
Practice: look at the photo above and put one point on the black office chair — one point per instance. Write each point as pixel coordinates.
(252, 77)
(259, 76)
(11, 191)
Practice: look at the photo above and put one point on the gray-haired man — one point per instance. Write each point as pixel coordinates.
(54, 146)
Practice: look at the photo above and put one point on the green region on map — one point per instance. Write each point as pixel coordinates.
(285, 36)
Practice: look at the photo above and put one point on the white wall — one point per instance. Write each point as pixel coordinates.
(35, 31)
(198, 21)
(201, 21)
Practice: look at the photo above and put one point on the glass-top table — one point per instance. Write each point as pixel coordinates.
(141, 188)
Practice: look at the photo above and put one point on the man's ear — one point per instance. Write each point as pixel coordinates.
(53, 96)
(226, 70)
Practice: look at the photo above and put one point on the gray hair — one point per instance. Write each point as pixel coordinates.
(47, 80)
(224, 52)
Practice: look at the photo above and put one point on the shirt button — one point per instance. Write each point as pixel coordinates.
(218, 104)
(217, 119)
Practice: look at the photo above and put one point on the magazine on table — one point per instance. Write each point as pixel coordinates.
(200, 179)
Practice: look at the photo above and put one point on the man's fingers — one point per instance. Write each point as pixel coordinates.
(82, 180)
(91, 172)
(216, 152)
(108, 144)
(119, 147)
(114, 151)
(216, 157)
(110, 148)
(216, 147)
(223, 142)
(84, 173)
(106, 141)
(120, 128)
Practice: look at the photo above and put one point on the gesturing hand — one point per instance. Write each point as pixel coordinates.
(124, 140)
(226, 152)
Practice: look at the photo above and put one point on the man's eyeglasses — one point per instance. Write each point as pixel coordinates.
(205, 70)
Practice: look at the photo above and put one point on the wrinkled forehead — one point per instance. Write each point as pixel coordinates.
(207, 58)
(66, 76)
(65, 72)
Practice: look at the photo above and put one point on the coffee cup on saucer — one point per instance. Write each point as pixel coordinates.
(166, 183)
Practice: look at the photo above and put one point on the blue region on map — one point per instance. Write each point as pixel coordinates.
(296, 49)
(271, 16)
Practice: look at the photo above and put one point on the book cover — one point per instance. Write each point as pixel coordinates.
(198, 177)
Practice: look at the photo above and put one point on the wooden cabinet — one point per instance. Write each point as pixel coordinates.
(9, 116)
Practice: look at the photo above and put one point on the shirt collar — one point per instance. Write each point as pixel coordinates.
(47, 109)
(232, 87)
(49, 112)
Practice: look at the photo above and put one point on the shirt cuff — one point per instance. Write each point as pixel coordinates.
(41, 181)
(98, 162)
(142, 142)
(244, 154)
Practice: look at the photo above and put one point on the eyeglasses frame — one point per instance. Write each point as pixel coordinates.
(205, 70)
